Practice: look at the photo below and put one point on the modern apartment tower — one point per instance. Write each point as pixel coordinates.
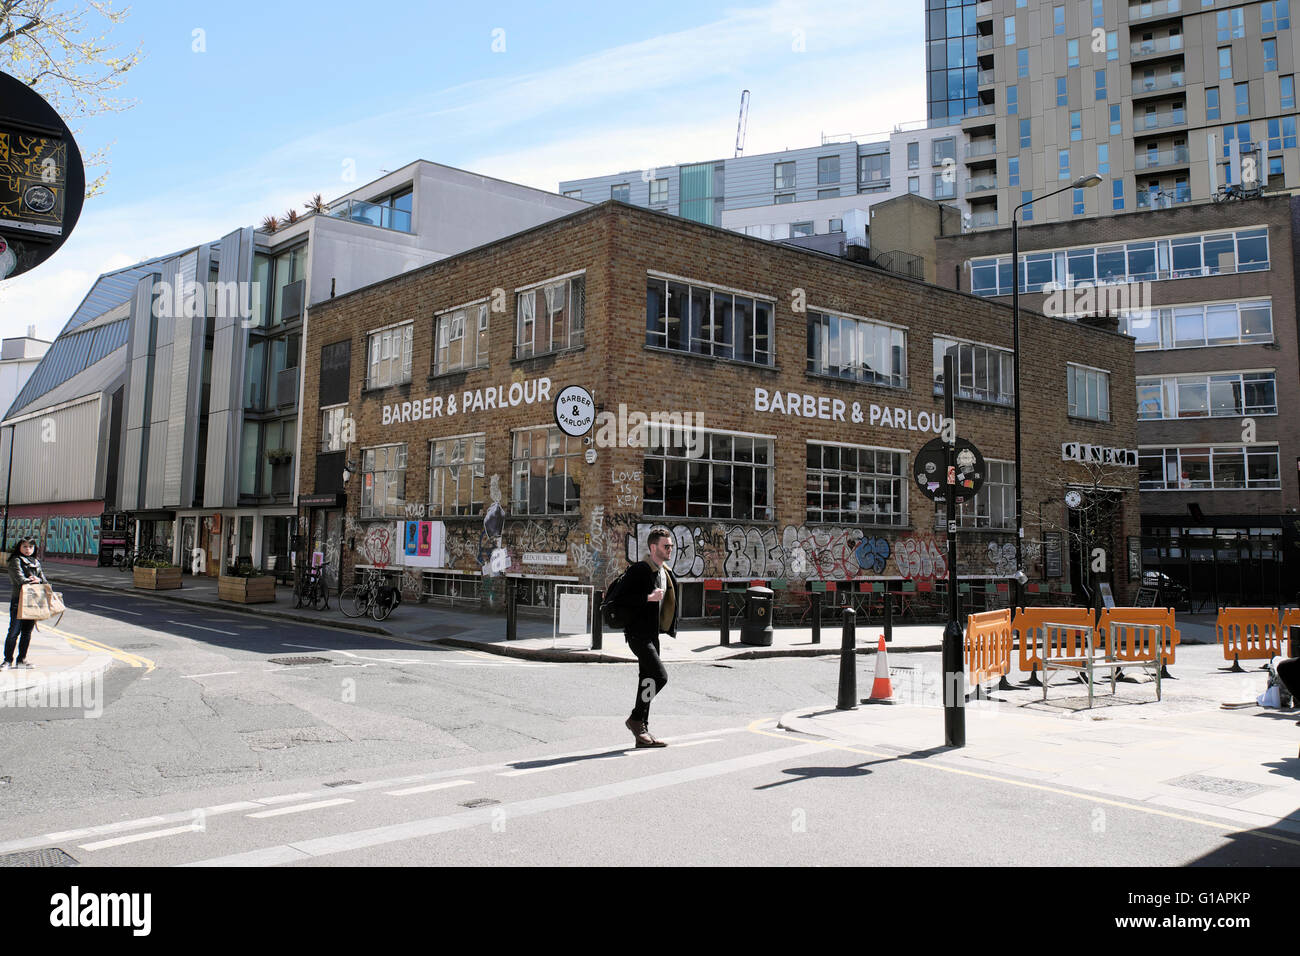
(1168, 100)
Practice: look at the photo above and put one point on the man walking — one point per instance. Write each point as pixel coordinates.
(650, 596)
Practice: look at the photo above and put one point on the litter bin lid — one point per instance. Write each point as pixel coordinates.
(759, 591)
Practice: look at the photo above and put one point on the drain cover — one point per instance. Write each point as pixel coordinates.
(343, 783)
(479, 802)
(294, 661)
(1219, 785)
(48, 856)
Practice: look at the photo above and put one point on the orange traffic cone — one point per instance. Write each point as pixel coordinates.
(882, 692)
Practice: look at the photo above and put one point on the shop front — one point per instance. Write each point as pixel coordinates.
(324, 523)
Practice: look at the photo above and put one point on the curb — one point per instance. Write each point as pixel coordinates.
(229, 606)
(783, 723)
(597, 657)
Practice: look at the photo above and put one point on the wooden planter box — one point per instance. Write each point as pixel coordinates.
(157, 579)
(258, 590)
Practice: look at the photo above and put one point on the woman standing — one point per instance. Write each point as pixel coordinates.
(24, 568)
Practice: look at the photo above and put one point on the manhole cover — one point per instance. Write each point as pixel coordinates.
(294, 661)
(480, 802)
(47, 856)
(343, 783)
(1218, 785)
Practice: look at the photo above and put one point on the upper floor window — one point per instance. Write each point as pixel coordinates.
(1207, 395)
(383, 481)
(334, 429)
(1009, 30)
(1200, 325)
(550, 317)
(1231, 24)
(1286, 87)
(1270, 56)
(1275, 15)
(1058, 21)
(874, 170)
(994, 506)
(913, 155)
(461, 339)
(828, 170)
(272, 275)
(688, 317)
(859, 349)
(621, 192)
(545, 463)
(573, 194)
(856, 484)
(730, 476)
(985, 373)
(1208, 467)
(943, 150)
(1071, 53)
(1088, 392)
(457, 470)
(388, 356)
(658, 191)
(783, 175)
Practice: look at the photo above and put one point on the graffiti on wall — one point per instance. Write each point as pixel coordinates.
(74, 537)
(377, 547)
(627, 488)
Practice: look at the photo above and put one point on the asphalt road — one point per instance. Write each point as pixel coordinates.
(388, 752)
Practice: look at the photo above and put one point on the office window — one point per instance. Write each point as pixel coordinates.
(1078, 202)
(383, 481)
(1270, 56)
(856, 485)
(1212, 103)
(1185, 468)
(1062, 92)
(783, 175)
(1063, 164)
(333, 432)
(547, 468)
(1231, 24)
(1197, 326)
(621, 192)
(1013, 100)
(1058, 21)
(1117, 194)
(1022, 63)
(1275, 16)
(781, 198)
(1027, 214)
(1071, 53)
(1098, 16)
(1013, 171)
(1009, 31)
(857, 349)
(914, 185)
(461, 339)
(1100, 78)
(1281, 133)
(1115, 119)
(1025, 141)
(828, 170)
(1225, 63)
(658, 191)
(1112, 44)
(985, 373)
(913, 155)
(550, 317)
(1242, 91)
(1103, 158)
(1088, 392)
(1286, 85)
(1076, 125)
(944, 149)
(457, 474)
(945, 186)
(730, 477)
(388, 357)
(801, 229)
(873, 170)
(695, 318)
(1212, 395)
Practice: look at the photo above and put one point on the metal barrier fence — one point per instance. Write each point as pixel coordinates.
(1128, 633)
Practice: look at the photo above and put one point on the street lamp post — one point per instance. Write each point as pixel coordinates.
(1083, 182)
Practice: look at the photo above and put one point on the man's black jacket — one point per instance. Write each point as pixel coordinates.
(643, 615)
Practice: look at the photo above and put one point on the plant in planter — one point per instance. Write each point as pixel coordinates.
(244, 584)
(270, 224)
(316, 204)
(156, 575)
(279, 456)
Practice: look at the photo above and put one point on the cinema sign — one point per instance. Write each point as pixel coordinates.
(1098, 454)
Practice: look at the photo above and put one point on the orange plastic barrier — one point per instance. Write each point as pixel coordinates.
(1058, 642)
(1139, 643)
(988, 645)
(1290, 619)
(1249, 632)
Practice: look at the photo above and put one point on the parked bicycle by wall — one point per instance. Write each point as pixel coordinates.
(312, 590)
(377, 596)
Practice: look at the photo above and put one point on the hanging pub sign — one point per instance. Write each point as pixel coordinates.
(930, 471)
(42, 179)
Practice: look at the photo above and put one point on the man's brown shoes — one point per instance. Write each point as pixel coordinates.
(641, 732)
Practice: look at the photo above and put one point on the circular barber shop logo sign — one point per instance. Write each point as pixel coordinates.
(575, 411)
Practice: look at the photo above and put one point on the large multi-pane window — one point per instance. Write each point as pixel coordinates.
(333, 428)
(658, 191)
(1231, 24)
(388, 356)
(985, 373)
(856, 348)
(856, 484)
(1281, 133)
(1207, 395)
(729, 476)
(828, 170)
(457, 469)
(1088, 392)
(550, 317)
(1275, 15)
(383, 481)
(945, 187)
(1209, 467)
(944, 150)
(271, 275)
(688, 317)
(783, 175)
(994, 506)
(873, 171)
(461, 338)
(1142, 260)
(1196, 326)
(546, 465)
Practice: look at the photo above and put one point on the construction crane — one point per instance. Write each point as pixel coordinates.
(740, 123)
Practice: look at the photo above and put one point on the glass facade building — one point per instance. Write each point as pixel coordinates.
(950, 59)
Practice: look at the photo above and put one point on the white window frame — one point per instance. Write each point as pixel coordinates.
(1170, 395)
(971, 355)
(1163, 452)
(453, 326)
(469, 471)
(534, 332)
(1095, 383)
(762, 476)
(388, 355)
(900, 478)
(555, 466)
(1163, 323)
(331, 432)
(835, 363)
(394, 481)
(658, 191)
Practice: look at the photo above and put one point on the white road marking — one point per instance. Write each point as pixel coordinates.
(319, 804)
(103, 828)
(214, 630)
(138, 837)
(528, 770)
(285, 798)
(304, 647)
(427, 788)
(695, 743)
(213, 674)
(122, 609)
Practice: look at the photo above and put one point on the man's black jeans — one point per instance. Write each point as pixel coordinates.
(651, 676)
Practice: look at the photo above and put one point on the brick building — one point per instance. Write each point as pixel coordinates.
(809, 382)
(1208, 292)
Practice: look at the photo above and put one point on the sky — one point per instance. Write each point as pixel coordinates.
(245, 109)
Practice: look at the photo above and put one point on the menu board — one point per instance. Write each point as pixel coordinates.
(33, 181)
(1146, 597)
(1052, 554)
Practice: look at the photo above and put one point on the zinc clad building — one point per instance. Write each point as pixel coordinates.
(794, 391)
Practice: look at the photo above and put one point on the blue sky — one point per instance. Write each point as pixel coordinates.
(286, 93)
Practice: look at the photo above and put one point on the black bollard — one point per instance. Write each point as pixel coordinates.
(848, 699)
(954, 687)
(511, 611)
(889, 618)
(597, 633)
(726, 618)
(815, 605)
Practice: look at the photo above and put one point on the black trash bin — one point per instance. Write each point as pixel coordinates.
(757, 629)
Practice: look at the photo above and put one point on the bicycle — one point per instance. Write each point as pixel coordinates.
(312, 591)
(376, 597)
(125, 560)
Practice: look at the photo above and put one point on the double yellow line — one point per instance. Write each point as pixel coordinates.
(86, 644)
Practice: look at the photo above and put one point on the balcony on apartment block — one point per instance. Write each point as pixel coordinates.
(1159, 84)
(1161, 158)
(1158, 120)
(981, 184)
(1158, 8)
(1157, 45)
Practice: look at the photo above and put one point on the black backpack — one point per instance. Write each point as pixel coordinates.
(613, 611)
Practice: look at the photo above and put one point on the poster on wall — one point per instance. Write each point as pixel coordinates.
(425, 544)
(1134, 559)
(1052, 554)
